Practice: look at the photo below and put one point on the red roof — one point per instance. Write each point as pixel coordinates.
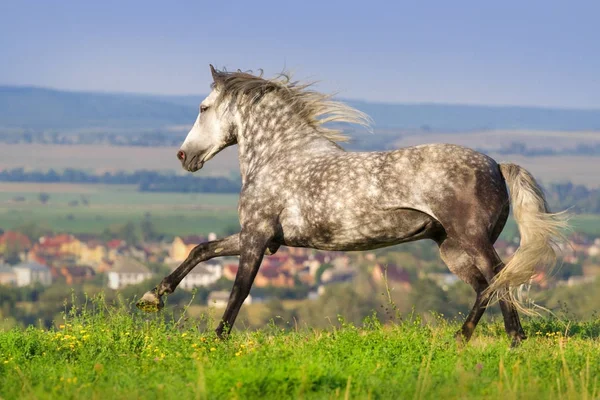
(233, 268)
(11, 238)
(37, 258)
(56, 241)
(269, 262)
(270, 271)
(115, 243)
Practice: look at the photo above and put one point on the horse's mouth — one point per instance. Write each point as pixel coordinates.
(196, 163)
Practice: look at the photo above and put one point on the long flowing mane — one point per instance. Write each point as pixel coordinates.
(316, 109)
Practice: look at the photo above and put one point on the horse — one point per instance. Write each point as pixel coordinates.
(300, 188)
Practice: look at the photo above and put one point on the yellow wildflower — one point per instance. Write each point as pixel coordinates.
(212, 349)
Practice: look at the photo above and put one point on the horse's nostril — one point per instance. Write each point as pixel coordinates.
(181, 155)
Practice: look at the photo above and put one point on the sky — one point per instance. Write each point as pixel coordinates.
(537, 53)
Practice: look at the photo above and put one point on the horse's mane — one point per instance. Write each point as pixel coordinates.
(315, 108)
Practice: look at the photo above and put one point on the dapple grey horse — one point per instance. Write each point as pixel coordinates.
(300, 188)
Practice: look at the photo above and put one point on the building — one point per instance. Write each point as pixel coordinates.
(204, 274)
(115, 248)
(73, 274)
(92, 253)
(14, 241)
(127, 271)
(31, 273)
(7, 275)
(62, 244)
(273, 276)
(230, 270)
(182, 246)
(395, 275)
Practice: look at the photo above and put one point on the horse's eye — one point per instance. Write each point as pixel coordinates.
(203, 108)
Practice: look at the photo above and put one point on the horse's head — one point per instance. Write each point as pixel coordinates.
(213, 130)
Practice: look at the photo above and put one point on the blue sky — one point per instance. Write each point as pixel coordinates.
(544, 53)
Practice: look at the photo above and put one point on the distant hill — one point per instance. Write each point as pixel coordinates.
(39, 108)
(45, 109)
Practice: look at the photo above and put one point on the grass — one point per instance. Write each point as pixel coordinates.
(587, 224)
(110, 352)
(171, 213)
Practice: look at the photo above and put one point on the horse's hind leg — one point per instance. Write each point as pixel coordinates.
(512, 322)
(490, 264)
(477, 263)
(462, 265)
(481, 255)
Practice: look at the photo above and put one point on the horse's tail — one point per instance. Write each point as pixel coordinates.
(541, 233)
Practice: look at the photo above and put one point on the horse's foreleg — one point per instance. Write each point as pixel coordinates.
(229, 246)
(253, 247)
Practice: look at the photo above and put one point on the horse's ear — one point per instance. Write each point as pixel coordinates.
(215, 75)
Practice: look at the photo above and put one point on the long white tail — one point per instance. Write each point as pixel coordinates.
(541, 233)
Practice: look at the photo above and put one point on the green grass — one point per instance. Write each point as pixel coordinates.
(171, 213)
(112, 353)
(587, 224)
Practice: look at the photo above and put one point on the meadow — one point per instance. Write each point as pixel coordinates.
(171, 213)
(102, 158)
(111, 351)
(113, 205)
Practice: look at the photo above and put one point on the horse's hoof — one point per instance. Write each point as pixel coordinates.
(517, 339)
(150, 302)
(461, 339)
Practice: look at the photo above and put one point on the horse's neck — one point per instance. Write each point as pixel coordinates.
(258, 151)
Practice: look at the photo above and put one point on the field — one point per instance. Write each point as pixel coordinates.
(171, 213)
(103, 158)
(111, 352)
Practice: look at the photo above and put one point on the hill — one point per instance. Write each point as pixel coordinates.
(23, 107)
(49, 109)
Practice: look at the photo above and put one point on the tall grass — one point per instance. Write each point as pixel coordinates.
(105, 350)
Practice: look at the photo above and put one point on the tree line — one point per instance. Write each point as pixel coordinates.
(521, 148)
(147, 181)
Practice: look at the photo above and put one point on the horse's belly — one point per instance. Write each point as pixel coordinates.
(358, 232)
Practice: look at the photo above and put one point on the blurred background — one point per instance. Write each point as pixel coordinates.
(96, 97)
